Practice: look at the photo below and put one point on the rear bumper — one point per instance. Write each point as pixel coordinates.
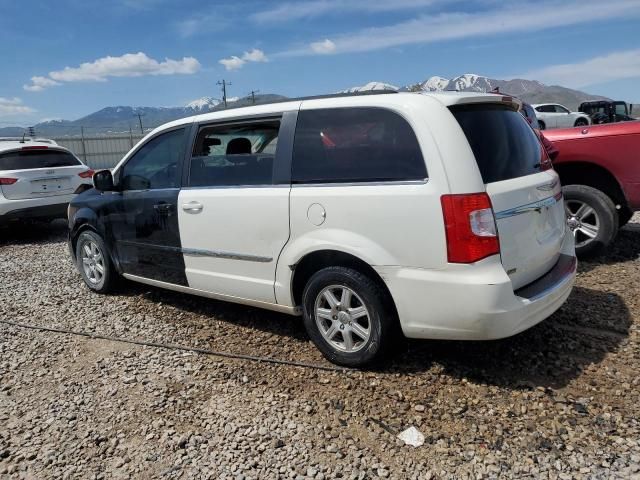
(476, 302)
(36, 208)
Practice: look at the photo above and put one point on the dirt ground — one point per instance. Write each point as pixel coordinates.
(558, 401)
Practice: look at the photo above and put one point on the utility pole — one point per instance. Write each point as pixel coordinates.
(224, 84)
(140, 115)
(252, 94)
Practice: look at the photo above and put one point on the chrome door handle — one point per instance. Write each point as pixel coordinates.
(192, 207)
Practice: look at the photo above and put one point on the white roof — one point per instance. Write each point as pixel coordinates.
(383, 100)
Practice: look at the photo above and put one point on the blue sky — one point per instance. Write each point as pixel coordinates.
(68, 58)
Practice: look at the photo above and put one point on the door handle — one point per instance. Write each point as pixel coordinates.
(163, 208)
(192, 207)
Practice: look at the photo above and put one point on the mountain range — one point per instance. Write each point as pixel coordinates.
(121, 119)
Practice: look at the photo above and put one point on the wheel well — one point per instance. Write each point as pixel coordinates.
(595, 176)
(315, 261)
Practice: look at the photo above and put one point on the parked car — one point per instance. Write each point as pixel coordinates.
(553, 115)
(605, 111)
(369, 215)
(600, 170)
(38, 178)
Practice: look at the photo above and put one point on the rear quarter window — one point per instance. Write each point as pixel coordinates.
(503, 143)
(355, 145)
(31, 159)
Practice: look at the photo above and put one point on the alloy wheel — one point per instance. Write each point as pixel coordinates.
(93, 262)
(583, 221)
(342, 318)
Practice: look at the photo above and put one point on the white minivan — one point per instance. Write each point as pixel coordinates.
(373, 216)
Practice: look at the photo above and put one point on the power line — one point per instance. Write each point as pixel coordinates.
(224, 84)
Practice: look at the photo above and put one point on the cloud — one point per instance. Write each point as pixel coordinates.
(234, 62)
(128, 65)
(614, 66)
(40, 83)
(13, 106)
(325, 46)
(520, 18)
(289, 11)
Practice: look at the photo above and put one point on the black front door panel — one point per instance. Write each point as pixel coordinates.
(148, 237)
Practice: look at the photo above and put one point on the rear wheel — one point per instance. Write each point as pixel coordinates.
(349, 317)
(542, 125)
(591, 216)
(94, 263)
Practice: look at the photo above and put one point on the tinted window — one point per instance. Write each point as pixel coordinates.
(530, 114)
(560, 109)
(234, 154)
(156, 164)
(504, 145)
(30, 159)
(546, 108)
(355, 145)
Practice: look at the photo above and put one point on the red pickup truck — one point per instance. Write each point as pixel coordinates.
(599, 167)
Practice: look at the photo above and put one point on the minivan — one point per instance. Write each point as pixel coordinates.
(373, 216)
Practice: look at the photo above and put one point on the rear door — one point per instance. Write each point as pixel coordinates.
(37, 172)
(526, 197)
(234, 208)
(144, 219)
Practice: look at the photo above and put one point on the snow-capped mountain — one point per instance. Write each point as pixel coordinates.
(371, 86)
(530, 91)
(204, 103)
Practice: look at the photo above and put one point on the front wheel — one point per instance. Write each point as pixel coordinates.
(349, 317)
(94, 263)
(581, 122)
(592, 217)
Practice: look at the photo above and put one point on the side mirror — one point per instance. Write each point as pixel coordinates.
(103, 181)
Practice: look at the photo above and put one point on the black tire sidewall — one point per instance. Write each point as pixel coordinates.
(380, 317)
(105, 284)
(604, 209)
(542, 125)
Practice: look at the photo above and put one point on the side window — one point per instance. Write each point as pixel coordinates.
(355, 145)
(156, 164)
(238, 154)
(546, 109)
(560, 109)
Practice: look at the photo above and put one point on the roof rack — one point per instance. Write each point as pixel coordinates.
(320, 97)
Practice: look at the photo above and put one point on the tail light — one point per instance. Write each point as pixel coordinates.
(8, 181)
(470, 227)
(86, 174)
(35, 147)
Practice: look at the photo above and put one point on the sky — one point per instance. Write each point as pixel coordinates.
(69, 58)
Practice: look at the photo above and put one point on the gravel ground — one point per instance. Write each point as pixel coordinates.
(558, 401)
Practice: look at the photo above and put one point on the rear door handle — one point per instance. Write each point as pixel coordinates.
(164, 208)
(192, 207)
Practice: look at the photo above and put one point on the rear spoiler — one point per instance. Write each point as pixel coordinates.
(513, 102)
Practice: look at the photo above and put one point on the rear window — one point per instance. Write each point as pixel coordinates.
(503, 143)
(30, 159)
(355, 145)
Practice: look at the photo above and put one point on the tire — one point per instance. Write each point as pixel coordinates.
(542, 125)
(91, 257)
(581, 122)
(373, 333)
(592, 217)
